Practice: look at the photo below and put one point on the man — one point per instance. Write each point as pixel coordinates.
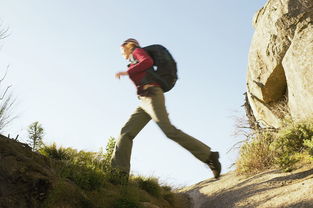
(152, 106)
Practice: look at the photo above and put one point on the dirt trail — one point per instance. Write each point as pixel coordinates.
(268, 189)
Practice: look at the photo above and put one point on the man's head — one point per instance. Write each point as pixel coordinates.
(128, 46)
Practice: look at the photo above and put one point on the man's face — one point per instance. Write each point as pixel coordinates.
(124, 53)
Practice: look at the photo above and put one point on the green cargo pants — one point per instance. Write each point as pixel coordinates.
(153, 107)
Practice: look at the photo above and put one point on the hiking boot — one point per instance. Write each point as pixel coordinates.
(214, 164)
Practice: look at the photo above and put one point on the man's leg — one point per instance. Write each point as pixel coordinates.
(122, 152)
(155, 107)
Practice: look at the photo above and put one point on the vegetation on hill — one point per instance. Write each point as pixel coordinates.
(286, 148)
(65, 177)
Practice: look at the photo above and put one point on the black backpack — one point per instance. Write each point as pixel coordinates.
(164, 70)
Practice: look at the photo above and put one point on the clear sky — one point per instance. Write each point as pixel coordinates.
(63, 56)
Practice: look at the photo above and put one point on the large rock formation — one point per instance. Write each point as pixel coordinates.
(280, 69)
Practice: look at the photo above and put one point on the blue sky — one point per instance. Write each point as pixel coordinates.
(63, 56)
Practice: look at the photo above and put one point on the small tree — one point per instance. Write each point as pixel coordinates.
(36, 133)
(110, 148)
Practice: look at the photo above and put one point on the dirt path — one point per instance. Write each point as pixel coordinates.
(268, 189)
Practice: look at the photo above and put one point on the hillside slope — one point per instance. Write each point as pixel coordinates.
(30, 180)
(272, 188)
(25, 177)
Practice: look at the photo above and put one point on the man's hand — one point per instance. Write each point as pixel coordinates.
(119, 74)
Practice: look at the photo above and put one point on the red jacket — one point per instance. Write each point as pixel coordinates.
(137, 71)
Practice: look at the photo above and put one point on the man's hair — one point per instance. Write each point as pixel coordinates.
(131, 41)
(129, 46)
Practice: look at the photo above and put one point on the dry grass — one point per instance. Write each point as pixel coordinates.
(282, 148)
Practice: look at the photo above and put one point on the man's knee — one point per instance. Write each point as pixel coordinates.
(126, 135)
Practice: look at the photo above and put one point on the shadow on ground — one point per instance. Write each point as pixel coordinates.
(235, 195)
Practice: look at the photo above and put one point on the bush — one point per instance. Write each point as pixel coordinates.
(91, 175)
(93, 160)
(168, 195)
(56, 153)
(308, 143)
(84, 177)
(149, 184)
(255, 154)
(88, 170)
(283, 148)
(290, 142)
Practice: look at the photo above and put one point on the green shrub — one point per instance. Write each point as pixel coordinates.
(308, 143)
(84, 177)
(283, 148)
(149, 184)
(255, 154)
(88, 170)
(289, 143)
(56, 153)
(291, 138)
(90, 175)
(167, 193)
(94, 160)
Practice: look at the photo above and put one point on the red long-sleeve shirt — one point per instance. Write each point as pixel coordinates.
(137, 71)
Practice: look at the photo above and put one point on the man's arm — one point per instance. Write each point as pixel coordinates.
(144, 61)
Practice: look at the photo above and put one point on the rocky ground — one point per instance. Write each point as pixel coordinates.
(270, 189)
